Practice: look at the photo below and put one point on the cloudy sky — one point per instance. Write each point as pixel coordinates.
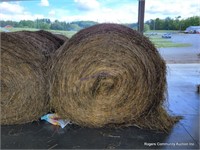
(113, 11)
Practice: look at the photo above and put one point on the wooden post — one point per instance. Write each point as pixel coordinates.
(141, 8)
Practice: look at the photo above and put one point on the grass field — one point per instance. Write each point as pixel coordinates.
(161, 42)
(156, 39)
(162, 31)
(66, 33)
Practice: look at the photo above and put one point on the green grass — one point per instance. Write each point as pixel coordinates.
(160, 42)
(66, 33)
(69, 34)
(156, 39)
(162, 31)
(20, 29)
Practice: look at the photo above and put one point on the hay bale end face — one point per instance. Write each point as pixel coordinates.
(110, 74)
(23, 69)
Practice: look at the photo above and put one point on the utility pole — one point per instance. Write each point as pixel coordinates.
(141, 8)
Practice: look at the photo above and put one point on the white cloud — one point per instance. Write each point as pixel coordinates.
(128, 12)
(44, 3)
(171, 8)
(124, 14)
(52, 13)
(57, 14)
(9, 8)
(15, 12)
(87, 4)
(19, 17)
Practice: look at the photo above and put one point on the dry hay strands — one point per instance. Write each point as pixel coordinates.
(110, 74)
(23, 66)
(42, 40)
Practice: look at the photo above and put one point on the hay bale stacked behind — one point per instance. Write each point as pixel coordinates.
(44, 41)
(110, 74)
(23, 67)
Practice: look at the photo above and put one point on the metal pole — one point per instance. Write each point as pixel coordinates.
(141, 8)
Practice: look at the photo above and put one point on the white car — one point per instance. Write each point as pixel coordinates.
(166, 35)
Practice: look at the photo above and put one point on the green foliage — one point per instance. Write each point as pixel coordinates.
(42, 24)
(26, 23)
(156, 24)
(84, 24)
(146, 27)
(56, 25)
(173, 24)
(74, 27)
(191, 21)
(8, 22)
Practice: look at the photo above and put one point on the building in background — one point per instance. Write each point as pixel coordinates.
(193, 29)
(8, 26)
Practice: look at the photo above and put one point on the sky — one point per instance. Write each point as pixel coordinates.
(110, 11)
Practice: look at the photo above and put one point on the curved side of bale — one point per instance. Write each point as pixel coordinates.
(110, 74)
(64, 38)
(24, 84)
(42, 40)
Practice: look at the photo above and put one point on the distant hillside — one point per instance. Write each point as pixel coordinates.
(152, 24)
(56, 25)
(47, 24)
(84, 24)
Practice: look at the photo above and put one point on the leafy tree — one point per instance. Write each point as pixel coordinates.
(146, 27)
(159, 24)
(8, 22)
(26, 23)
(173, 24)
(42, 24)
(56, 25)
(84, 24)
(191, 21)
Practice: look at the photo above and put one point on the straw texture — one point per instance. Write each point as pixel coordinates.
(110, 74)
(24, 84)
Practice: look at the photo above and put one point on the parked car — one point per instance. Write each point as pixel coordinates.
(166, 35)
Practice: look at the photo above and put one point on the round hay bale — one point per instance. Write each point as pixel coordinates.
(110, 74)
(24, 86)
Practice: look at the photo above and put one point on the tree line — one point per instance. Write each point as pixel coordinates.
(173, 24)
(153, 24)
(47, 24)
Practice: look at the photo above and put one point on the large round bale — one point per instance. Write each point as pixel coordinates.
(24, 86)
(110, 74)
